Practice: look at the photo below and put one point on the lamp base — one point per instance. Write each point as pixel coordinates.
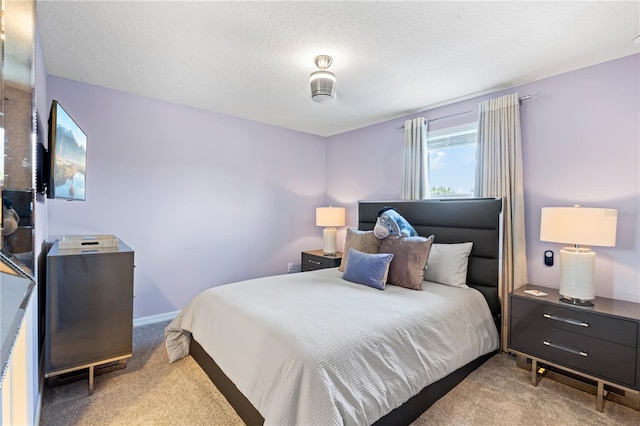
(576, 302)
(577, 270)
(329, 235)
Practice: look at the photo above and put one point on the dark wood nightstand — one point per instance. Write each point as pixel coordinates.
(315, 259)
(597, 342)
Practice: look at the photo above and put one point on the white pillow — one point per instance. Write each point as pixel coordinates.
(447, 264)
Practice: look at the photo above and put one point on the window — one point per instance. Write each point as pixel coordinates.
(452, 161)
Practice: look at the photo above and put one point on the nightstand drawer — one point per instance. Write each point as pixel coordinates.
(590, 355)
(314, 259)
(576, 320)
(316, 263)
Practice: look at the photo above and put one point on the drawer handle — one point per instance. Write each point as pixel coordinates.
(566, 348)
(315, 262)
(567, 320)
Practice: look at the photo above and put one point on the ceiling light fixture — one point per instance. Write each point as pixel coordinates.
(323, 81)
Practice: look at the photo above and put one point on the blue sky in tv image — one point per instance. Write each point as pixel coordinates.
(70, 157)
(63, 119)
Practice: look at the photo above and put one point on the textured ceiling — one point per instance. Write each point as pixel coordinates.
(253, 59)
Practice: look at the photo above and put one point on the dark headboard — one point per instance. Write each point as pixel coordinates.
(455, 221)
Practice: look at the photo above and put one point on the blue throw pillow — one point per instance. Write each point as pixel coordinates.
(367, 269)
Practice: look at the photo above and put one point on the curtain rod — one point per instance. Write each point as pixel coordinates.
(535, 95)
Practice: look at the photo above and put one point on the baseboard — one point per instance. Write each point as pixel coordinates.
(167, 316)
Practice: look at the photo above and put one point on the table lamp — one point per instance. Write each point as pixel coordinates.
(330, 217)
(578, 226)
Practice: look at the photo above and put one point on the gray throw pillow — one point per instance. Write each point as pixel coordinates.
(410, 256)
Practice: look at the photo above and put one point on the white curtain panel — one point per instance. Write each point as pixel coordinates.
(499, 174)
(415, 185)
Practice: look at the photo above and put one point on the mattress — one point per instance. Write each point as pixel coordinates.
(311, 348)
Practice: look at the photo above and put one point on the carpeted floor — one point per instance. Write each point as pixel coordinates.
(150, 391)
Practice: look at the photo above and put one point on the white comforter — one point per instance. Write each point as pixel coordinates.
(314, 349)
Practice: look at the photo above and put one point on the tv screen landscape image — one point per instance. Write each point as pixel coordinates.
(67, 154)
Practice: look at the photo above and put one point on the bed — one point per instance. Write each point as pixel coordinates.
(336, 352)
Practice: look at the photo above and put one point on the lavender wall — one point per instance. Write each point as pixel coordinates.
(581, 142)
(160, 176)
(204, 199)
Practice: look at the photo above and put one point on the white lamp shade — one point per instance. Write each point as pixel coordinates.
(330, 216)
(579, 226)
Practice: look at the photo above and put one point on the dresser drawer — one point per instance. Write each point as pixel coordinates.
(577, 320)
(577, 351)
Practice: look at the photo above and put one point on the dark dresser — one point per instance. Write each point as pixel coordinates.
(599, 342)
(88, 308)
(316, 259)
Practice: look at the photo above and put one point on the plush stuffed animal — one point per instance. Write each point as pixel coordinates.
(10, 218)
(390, 222)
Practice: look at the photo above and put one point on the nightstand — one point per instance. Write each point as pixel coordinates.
(315, 259)
(599, 342)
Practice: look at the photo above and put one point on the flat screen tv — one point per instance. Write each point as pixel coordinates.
(67, 156)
